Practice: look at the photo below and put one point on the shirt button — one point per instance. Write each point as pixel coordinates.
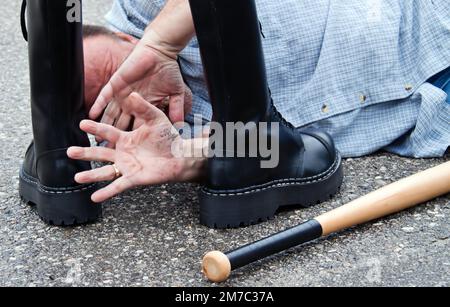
(325, 109)
(362, 98)
(408, 87)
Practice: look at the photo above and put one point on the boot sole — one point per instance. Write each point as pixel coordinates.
(241, 208)
(60, 207)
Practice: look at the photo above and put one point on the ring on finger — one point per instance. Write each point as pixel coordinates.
(116, 171)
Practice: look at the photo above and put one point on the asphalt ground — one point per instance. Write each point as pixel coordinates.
(152, 237)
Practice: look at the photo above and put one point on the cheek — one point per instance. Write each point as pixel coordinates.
(90, 94)
(91, 87)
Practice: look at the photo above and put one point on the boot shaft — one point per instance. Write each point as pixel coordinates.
(55, 46)
(228, 32)
(47, 177)
(239, 190)
(229, 35)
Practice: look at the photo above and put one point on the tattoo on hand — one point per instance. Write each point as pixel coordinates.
(169, 134)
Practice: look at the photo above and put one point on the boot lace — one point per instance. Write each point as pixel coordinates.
(278, 116)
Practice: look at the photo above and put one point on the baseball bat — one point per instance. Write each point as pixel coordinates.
(388, 200)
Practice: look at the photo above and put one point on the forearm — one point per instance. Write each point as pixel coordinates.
(172, 29)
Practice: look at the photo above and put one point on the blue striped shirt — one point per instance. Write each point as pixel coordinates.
(360, 69)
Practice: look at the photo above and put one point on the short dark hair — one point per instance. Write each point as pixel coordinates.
(94, 31)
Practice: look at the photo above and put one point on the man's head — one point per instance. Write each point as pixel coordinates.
(104, 52)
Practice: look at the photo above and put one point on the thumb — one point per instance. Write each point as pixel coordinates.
(103, 99)
(141, 109)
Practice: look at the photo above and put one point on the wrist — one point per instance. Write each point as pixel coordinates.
(194, 160)
(172, 29)
(154, 40)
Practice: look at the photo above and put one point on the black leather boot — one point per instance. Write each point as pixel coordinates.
(239, 191)
(57, 80)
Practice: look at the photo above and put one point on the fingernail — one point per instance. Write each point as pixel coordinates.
(83, 123)
(95, 198)
(70, 151)
(92, 113)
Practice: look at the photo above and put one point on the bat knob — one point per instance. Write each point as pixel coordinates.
(216, 266)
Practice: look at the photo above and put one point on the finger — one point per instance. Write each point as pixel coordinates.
(188, 97)
(176, 108)
(105, 173)
(103, 99)
(112, 113)
(123, 123)
(142, 109)
(99, 154)
(105, 132)
(117, 87)
(119, 186)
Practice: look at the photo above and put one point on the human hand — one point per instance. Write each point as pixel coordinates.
(152, 73)
(152, 154)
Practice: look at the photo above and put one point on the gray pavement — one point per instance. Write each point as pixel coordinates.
(151, 236)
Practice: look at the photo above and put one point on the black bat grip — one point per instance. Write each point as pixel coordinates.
(274, 244)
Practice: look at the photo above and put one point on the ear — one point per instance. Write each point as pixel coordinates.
(127, 38)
